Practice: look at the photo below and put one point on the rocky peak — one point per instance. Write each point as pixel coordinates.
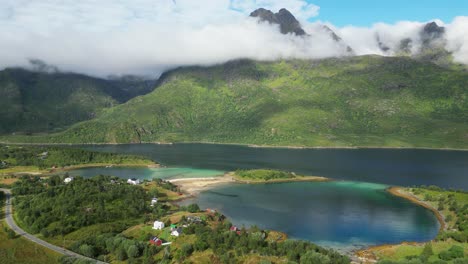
(337, 38)
(287, 22)
(431, 32)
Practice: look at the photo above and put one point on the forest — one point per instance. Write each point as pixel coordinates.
(53, 156)
(108, 206)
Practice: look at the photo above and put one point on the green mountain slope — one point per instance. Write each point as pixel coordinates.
(358, 101)
(41, 102)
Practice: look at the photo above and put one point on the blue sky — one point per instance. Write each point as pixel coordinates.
(368, 12)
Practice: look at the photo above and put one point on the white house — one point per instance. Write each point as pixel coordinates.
(158, 225)
(176, 232)
(154, 201)
(133, 181)
(68, 180)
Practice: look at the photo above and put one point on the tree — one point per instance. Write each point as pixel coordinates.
(11, 234)
(187, 250)
(312, 257)
(87, 250)
(120, 253)
(132, 251)
(427, 252)
(193, 208)
(453, 253)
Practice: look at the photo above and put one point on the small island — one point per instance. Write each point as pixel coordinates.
(193, 186)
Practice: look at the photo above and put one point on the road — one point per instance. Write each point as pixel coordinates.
(11, 223)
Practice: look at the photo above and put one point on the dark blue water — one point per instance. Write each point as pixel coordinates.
(404, 167)
(342, 215)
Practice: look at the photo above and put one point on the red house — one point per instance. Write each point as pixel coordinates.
(156, 241)
(234, 228)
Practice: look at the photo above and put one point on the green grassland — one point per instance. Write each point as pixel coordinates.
(15, 249)
(20, 250)
(454, 207)
(357, 101)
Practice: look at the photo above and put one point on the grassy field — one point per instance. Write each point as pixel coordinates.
(21, 250)
(358, 101)
(452, 205)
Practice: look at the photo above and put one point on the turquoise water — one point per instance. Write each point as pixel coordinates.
(341, 215)
(403, 167)
(344, 214)
(146, 173)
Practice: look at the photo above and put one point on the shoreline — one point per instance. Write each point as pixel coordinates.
(237, 144)
(193, 186)
(366, 254)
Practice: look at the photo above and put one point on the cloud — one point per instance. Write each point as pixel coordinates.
(147, 37)
(457, 39)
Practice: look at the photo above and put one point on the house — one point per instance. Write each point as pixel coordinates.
(44, 155)
(68, 180)
(176, 232)
(158, 225)
(133, 181)
(156, 241)
(211, 211)
(154, 201)
(194, 219)
(234, 228)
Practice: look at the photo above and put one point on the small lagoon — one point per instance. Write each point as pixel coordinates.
(342, 215)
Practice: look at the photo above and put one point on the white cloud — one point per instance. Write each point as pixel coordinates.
(457, 39)
(149, 36)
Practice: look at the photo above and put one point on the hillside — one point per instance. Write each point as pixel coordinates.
(355, 101)
(43, 102)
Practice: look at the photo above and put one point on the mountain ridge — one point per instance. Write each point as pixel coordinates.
(346, 102)
(48, 101)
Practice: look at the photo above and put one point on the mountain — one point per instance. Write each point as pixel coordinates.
(352, 101)
(287, 22)
(428, 45)
(290, 25)
(50, 101)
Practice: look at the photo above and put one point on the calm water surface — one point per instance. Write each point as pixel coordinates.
(341, 215)
(388, 166)
(146, 173)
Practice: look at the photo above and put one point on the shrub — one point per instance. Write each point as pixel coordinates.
(453, 253)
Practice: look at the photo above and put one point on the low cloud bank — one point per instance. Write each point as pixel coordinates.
(147, 37)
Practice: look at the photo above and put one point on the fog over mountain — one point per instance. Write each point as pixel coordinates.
(147, 37)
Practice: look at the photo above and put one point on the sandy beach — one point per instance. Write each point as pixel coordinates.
(193, 186)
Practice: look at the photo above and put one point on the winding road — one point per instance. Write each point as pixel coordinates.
(11, 223)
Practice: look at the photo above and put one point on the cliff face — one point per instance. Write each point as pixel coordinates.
(287, 22)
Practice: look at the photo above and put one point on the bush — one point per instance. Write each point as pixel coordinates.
(187, 250)
(193, 208)
(453, 253)
(427, 252)
(312, 257)
(11, 234)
